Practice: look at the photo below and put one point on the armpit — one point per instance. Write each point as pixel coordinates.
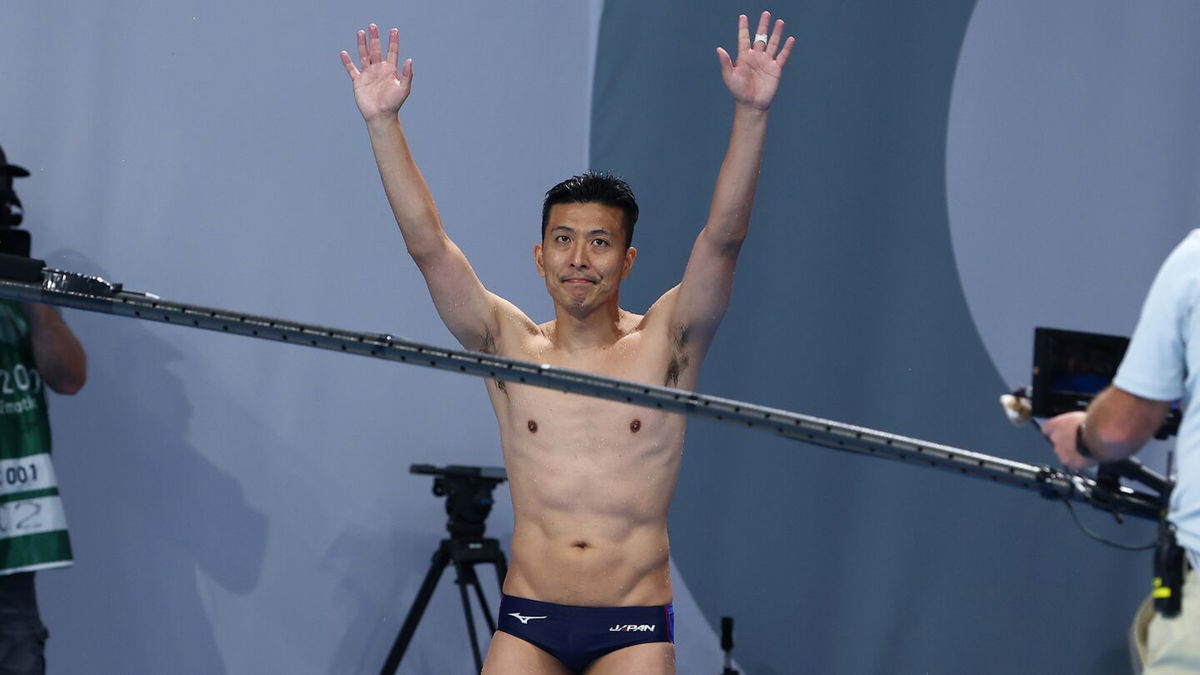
(488, 346)
(679, 355)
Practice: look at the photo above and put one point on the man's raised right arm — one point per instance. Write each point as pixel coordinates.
(466, 307)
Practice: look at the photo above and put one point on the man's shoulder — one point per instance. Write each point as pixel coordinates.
(1189, 247)
(1182, 266)
(527, 341)
(659, 314)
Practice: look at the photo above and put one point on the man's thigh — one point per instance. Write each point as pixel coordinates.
(652, 658)
(509, 655)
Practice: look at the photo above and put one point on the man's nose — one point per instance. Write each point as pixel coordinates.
(579, 256)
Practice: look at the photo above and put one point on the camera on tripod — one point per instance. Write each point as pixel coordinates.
(468, 493)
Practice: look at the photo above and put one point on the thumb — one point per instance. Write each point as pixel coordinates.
(726, 63)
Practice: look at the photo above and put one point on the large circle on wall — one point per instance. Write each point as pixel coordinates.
(1071, 163)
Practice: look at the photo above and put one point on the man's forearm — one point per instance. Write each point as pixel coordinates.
(1119, 423)
(1104, 449)
(412, 203)
(60, 358)
(733, 195)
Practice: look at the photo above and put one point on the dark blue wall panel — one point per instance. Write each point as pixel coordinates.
(847, 305)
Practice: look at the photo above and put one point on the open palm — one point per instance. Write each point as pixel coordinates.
(378, 89)
(754, 78)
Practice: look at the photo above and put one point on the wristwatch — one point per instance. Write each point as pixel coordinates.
(1080, 446)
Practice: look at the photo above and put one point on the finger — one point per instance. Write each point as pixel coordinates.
(349, 64)
(373, 45)
(726, 63)
(776, 36)
(362, 49)
(407, 70)
(393, 53)
(764, 21)
(743, 37)
(785, 52)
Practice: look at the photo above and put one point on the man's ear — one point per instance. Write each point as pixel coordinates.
(537, 260)
(630, 256)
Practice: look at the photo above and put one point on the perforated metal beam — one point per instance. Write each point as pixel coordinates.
(1049, 482)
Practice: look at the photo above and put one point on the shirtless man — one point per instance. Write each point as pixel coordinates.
(589, 584)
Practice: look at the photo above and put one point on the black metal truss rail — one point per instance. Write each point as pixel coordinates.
(1049, 482)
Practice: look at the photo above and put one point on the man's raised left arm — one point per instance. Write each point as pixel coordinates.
(752, 80)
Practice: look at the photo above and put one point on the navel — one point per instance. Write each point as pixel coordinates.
(635, 426)
(532, 427)
(581, 545)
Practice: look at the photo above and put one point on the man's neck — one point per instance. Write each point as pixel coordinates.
(597, 329)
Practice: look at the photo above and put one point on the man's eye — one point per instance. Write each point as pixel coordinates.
(562, 239)
(600, 242)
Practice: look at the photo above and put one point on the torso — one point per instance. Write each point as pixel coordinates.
(591, 480)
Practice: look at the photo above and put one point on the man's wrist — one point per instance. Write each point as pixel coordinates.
(750, 109)
(382, 122)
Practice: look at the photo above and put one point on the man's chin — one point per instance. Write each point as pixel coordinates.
(576, 305)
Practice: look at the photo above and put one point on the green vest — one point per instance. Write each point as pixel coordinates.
(33, 528)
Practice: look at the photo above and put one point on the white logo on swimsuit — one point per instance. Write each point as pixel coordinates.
(525, 619)
(633, 628)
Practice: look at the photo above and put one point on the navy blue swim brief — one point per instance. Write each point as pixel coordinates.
(577, 636)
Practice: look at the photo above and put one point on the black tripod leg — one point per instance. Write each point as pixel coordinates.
(487, 612)
(501, 566)
(466, 575)
(440, 559)
(501, 572)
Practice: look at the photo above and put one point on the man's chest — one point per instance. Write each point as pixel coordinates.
(637, 357)
(536, 410)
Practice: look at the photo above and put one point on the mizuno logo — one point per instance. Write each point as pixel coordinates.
(525, 619)
(632, 628)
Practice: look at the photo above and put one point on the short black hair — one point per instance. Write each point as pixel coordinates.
(594, 187)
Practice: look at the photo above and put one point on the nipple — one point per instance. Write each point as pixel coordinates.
(635, 426)
(532, 427)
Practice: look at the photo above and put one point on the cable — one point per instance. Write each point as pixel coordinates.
(1084, 528)
(1101, 538)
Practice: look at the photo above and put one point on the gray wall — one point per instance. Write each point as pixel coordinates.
(940, 178)
(242, 507)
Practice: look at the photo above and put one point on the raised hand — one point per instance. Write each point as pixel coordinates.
(378, 90)
(754, 79)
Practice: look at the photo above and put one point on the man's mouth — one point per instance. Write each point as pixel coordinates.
(578, 280)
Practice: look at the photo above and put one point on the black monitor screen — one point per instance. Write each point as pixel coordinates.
(1071, 367)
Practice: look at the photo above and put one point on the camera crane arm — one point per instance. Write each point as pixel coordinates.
(30, 281)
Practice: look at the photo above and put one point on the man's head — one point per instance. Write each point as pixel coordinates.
(581, 257)
(594, 187)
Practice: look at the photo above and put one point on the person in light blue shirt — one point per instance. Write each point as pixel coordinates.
(1161, 366)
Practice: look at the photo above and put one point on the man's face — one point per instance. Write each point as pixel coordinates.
(583, 256)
